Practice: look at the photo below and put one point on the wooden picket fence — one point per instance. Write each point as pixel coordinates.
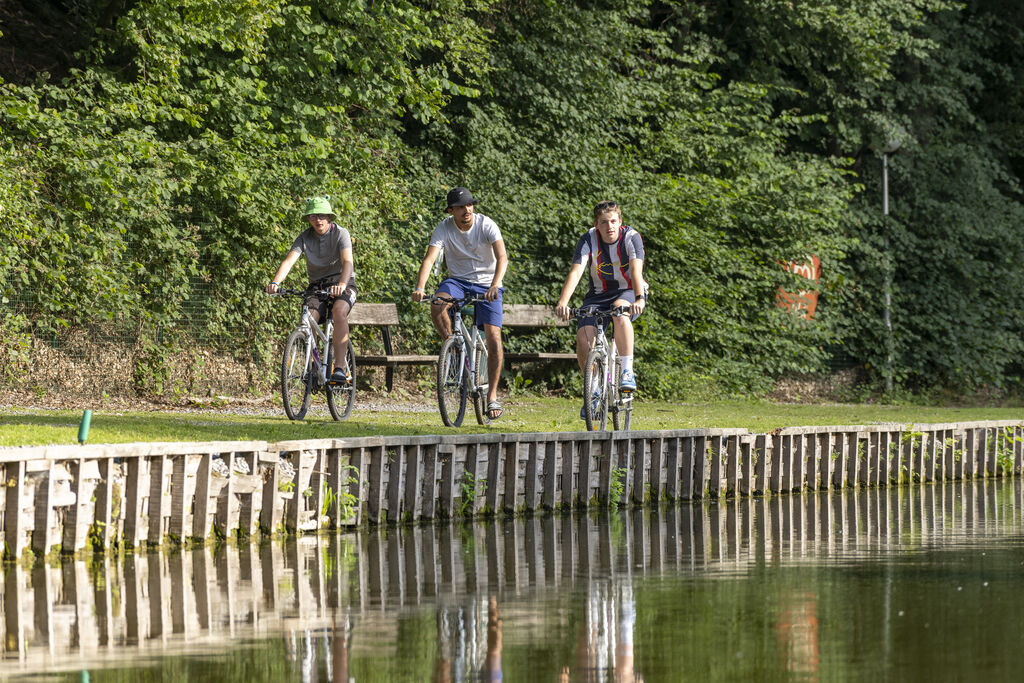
(102, 497)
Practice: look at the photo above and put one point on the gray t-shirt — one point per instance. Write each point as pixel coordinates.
(469, 254)
(323, 253)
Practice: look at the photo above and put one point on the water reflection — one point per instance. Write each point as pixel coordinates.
(561, 596)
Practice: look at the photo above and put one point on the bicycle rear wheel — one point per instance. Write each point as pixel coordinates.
(452, 381)
(341, 397)
(595, 398)
(478, 388)
(295, 376)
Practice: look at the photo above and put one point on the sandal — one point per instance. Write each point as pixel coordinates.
(492, 407)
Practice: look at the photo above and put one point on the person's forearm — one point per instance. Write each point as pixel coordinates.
(285, 267)
(636, 268)
(571, 280)
(499, 272)
(424, 274)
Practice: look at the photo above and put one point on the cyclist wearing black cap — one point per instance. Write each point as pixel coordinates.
(475, 255)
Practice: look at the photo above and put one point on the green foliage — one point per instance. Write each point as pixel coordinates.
(471, 488)
(160, 179)
(617, 486)
(172, 165)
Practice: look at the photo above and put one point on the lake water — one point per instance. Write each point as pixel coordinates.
(918, 583)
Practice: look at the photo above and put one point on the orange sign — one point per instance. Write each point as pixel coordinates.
(803, 302)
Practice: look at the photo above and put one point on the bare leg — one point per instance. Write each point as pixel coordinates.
(495, 360)
(584, 340)
(439, 314)
(623, 331)
(339, 314)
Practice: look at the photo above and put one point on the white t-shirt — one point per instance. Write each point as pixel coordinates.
(469, 254)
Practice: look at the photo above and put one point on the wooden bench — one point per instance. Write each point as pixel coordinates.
(532, 316)
(386, 315)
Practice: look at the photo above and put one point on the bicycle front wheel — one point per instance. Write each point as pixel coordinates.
(595, 391)
(451, 382)
(341, 397)
(295, 376)
(624, 414)
(622, 408)
(480, 384)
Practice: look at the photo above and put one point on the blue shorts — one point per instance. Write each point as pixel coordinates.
(603, 301)
(485, 312)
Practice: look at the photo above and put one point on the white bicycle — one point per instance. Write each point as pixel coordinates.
(461, 366)
(601, 374)
(307, 362)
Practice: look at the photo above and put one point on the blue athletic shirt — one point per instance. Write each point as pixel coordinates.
(609, 263)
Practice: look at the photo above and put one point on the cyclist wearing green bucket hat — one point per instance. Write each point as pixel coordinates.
(329, 265)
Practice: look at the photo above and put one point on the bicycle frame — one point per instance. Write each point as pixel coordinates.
(611, 360)
(469, 340)
(313, 335)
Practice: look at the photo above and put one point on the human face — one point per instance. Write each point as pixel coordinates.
(321, 222)
(463, 216)
(608, 224)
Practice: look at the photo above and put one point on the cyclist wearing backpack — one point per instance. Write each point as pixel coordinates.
(329, 265)
(615, 255)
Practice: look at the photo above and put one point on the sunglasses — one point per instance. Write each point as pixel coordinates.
(604, 206)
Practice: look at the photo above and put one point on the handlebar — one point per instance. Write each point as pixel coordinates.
(322, 294)
(594, 311)
(458, 304)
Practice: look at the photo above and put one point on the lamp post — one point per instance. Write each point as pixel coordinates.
(890, 147)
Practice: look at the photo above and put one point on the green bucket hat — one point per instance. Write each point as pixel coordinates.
(319, 205)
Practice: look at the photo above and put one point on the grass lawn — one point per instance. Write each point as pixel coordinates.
(27, 426)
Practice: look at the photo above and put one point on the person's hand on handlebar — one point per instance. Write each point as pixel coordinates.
(562, 310)
(637, 307)
(418, 294)
(336, 290)
(271, 288)
(492, 293)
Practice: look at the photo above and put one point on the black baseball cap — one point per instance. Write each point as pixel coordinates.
(460, 196)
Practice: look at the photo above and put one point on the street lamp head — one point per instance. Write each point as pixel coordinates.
(889, 138)
(891, 145)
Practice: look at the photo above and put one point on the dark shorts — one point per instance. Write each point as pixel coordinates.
(315, 304)
(485, 312)
(603, 301)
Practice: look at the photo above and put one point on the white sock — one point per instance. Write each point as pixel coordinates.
(626, 363)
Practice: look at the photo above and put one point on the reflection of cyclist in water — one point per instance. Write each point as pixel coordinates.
(606, 636)
(465, 651)
(492, 663)
(615, 253)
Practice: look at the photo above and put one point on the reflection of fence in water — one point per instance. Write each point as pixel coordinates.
(107, 609)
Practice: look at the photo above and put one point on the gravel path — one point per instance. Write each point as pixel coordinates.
(220, 405)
